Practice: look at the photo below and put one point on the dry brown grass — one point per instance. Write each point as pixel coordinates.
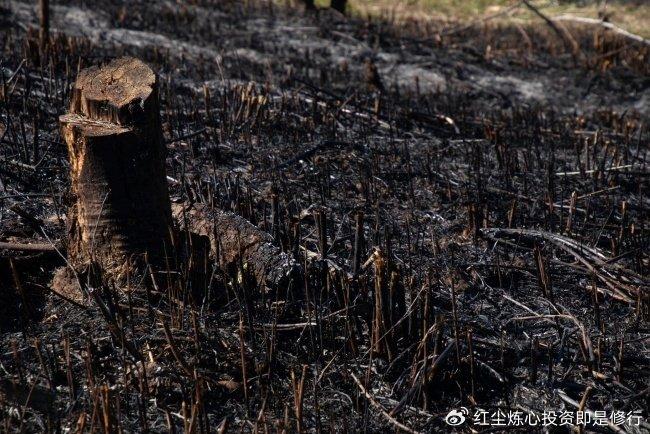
(633, 16)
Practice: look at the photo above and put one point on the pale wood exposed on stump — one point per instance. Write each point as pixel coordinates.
(117, 166)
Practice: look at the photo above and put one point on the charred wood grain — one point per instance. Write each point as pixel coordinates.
(235, 243)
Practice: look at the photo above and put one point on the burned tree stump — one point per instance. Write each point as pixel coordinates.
(122, 210)
(117, 167)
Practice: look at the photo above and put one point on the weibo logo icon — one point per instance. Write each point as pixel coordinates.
(455, 417)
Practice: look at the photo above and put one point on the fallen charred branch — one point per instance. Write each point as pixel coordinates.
(625, 284)
(397, 424)
(606, 24)
(24, 247)
(238, 245)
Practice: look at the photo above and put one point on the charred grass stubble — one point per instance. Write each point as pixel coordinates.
(501, 259)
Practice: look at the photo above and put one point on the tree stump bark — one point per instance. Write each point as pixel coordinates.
(117, 167)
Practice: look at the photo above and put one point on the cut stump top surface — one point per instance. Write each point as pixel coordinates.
(119, 92)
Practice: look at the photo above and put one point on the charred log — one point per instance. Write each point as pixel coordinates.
(239, 245)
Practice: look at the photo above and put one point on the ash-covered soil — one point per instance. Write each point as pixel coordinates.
(503, 249)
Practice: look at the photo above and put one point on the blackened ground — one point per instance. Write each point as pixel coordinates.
(463, 152)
